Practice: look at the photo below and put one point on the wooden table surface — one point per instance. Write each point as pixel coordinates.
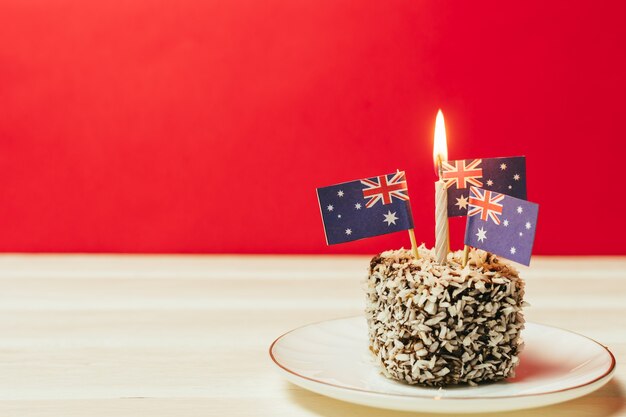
(189, 335)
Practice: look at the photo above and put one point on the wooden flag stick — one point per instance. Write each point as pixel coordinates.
(465, 255)
(413, 243)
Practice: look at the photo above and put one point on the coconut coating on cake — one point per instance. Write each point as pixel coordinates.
(437, 325)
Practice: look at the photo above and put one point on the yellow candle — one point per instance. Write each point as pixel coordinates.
(440, 154)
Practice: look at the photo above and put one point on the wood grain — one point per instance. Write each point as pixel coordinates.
(188, 335)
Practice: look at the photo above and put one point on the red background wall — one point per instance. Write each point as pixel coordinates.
(205, 126)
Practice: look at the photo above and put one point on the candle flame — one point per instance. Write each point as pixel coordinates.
(440, 148)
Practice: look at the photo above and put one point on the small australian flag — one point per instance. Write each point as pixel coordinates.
(501, 224)
(502, 175)
(365, 208)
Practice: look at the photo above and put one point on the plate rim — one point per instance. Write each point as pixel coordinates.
(606, 374)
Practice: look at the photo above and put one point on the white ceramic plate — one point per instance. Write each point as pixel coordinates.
(332, 359)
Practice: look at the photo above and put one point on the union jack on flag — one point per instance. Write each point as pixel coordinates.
(500, 175)
(461, 173)
(379, 189)
(350, 210)
(485, 203)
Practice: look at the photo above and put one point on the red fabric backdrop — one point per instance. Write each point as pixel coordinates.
(205, 126)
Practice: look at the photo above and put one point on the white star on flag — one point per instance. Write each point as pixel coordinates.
(461, 202)
(513, 250)
(528, 225)
(502, 167)
(357, 206)
(340, 193)
(516, 177)
(482, 234)
(390, 218)
(348, 231)
(505, 223)
(330, 207)
(520, 210)
(489, 183)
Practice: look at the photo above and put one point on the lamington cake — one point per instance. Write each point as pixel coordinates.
(443, 324)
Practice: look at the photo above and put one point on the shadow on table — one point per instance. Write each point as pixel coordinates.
(605, 402)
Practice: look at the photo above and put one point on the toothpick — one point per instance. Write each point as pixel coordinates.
(413, 243)
(465, 255)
